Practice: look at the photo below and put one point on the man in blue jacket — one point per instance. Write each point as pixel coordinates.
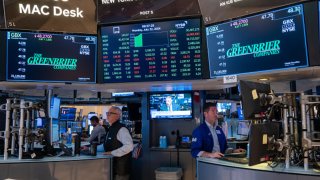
(208, 139)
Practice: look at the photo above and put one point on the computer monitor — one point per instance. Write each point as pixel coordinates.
(54, 107)
(260, 148)
(68, 114)
(39, 122)
(253, 99)
(243, 128)
(171, 105)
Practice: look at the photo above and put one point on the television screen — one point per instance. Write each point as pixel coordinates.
(68, 114)
(171, 106)
(169, 50)
(35, 56)
(55, 107)
(243, 128)
(221, 10)
(119, 11)
(72, 16)
(273, 40)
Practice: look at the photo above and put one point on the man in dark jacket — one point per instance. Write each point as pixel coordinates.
(208, 139)
(118, 144)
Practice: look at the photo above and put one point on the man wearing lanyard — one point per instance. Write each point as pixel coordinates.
(208, 139)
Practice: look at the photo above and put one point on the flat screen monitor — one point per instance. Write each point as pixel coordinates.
(72, 16)
(259, 139)
(151, 51)
(39, 123)
(68, 114)
(48, 57)
(243, 128)
(240, 113)
(122, 94)
(171, 105)
(55, 107)
(223, 107)
(264, 42)
(214, 11)
(253, 99)
(120, 11)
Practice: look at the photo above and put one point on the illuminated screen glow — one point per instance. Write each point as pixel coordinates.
(169, 50)
(269, 41)
(51, 57)
(171, 106)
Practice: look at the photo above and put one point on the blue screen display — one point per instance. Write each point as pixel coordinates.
(171, 106)
(151, 51)
(48, 57)
(273, 40)
(68, 113)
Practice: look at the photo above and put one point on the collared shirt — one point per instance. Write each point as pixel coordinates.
(124, 137)
(216, 145)
(97, 131)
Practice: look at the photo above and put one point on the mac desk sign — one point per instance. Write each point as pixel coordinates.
(46, 10)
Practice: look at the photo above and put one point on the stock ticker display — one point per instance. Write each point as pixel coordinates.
(153, 51)
(221, 10)
(51, 57)
(273, 40)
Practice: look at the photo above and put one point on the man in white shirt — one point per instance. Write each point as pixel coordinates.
(118, 144)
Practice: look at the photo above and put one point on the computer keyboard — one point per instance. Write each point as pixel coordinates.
(236, 160)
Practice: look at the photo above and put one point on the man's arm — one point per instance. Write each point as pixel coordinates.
(196, 143)
(127, 144)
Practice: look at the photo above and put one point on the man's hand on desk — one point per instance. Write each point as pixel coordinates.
(212, 155)
(107, 153)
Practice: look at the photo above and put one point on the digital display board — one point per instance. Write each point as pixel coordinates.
(152, 51)
(71, 16)
(50, 57)
(220, 10)
(273, 40)
(119, 11)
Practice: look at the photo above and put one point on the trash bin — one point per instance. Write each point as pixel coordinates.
(168, 173)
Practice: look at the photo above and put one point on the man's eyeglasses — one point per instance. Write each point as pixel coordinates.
(110, 113)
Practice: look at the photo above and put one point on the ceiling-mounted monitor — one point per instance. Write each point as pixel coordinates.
(264, 42)
(70, 16)
(49, 57)
(133, 10)
(151, 51)
(214, 11)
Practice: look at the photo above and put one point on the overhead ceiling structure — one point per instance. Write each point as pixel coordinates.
(311, 74)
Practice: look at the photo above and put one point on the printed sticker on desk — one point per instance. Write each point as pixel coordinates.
(254, 94)
(265, 139)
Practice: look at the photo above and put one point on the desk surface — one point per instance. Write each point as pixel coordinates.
(261, 167)
(55, 159)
